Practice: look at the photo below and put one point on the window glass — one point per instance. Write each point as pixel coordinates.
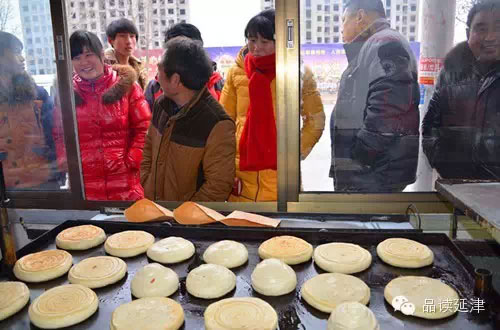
(222, 29)
(31, 135)
(370, 140)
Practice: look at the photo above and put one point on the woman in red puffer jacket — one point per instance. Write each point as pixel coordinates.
(113, 119)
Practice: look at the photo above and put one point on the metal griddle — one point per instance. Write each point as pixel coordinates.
(294, 313)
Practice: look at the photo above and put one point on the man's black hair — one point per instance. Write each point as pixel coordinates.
(368, 5)
(262, 24)
(187, 58)
(10, 42)
(479, 6)
(183, 29)
(121, 25)
(81, 39)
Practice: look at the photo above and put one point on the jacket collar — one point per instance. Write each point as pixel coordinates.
(110, 56)
(240, 58)
(460, 60)
(353, 48)
(168, 105)
(96, 85)
(114, 84)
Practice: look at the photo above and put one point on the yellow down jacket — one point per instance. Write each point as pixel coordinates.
(261, 186)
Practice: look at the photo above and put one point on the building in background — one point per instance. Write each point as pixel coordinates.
(403, 15)
(321, 20)
(37, 36)
(152, 17)
(266, 4)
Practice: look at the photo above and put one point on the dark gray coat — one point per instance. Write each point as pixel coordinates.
(375, 123)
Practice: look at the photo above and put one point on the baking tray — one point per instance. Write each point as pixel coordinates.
(294, 313)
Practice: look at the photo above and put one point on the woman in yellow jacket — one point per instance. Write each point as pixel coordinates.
(249, 97)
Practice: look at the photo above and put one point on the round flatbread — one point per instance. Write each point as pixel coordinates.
(43, 266)
(15, 295)
(326, 291)
(352, 316)
(80, 237)
(292, 250)
(154, 280)
(128, 243)
(410, 294)
(272, 277)
(226, 253)
(63, 306)
(342, 258)
(240, 313)
(210, 281)
(405, 253)
(97, 272)
(152, 313)
(171, 250)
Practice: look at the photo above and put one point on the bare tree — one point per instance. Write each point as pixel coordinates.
(6, 15)
(463, 7)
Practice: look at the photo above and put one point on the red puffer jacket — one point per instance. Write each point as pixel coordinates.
(113, 119)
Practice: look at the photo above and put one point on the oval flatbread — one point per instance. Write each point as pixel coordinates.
(226, 253)
(128, 243)
(272, 277)
(405, 253)
(63, 306)
(154, 280)
(292, 250)
(419, 291)
(43, 266)
(15, 295)
(97, 272)
(352, 316)
(152, 313)
(80, 237)
(326, 291)
(171, 250)
(342, 258)
(240, 313)
(210, 281)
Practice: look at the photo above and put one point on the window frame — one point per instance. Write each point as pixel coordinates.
(290, 198)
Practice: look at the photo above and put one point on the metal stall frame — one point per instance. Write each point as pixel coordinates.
(290, 197)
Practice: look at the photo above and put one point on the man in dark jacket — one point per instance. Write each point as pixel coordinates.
(462, 126)
(214, 84)
(375, 134)
(190, 146)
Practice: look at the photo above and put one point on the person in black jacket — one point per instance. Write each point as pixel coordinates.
(461, 130)
(374, 126)
(214, 84)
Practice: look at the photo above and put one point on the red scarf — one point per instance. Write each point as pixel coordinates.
(258, 144)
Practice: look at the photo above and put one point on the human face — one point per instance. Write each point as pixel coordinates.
(259, 46)
(350, 26)
(484, 36)
(12, 62)
(88, 65)
(124, 43)
(168, 85)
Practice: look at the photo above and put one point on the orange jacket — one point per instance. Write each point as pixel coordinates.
(261, 186)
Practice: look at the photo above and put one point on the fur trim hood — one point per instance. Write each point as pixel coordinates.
(460, 59)
(127, 77)
(21, 90)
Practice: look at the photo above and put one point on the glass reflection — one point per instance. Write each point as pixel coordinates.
(26, 123)
(462, 126)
